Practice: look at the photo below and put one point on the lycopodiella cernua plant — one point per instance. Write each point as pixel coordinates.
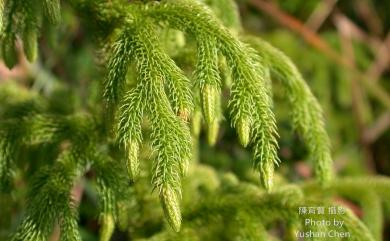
(169, 69)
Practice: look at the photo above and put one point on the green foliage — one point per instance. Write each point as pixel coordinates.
(370, 193)
(51, 193)
(149, 118)
(306, 112)
(24, 19)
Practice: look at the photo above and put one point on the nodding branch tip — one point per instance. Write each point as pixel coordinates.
(209, 102)
(107, 227)
(132, 160)
(212, 132)
(243, 129)
(171, 206)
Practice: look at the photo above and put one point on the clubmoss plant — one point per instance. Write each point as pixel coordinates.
(152, 99)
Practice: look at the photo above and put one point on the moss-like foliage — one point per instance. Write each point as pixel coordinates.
(157, 99)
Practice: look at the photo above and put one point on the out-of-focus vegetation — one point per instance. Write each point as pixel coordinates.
(357, 115)
(352, 85)
(349, 75)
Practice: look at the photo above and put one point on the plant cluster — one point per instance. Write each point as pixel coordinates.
(166, 66)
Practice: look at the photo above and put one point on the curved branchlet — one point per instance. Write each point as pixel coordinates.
(110, 181)
(178, 87)
(24, 19)
(250, 108)
(8, 50)
(107, 227)
(171, 140)
(249, 92)
(117, 68)
(306, 112)
(177, 84)
(208, 80)
(30, 42)
(167, 112)
(129, 128)
(29, 33)
(111, 185)
(8, 34)
(41, 129)
(50, 202)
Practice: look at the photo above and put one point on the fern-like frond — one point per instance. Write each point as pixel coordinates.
(117, 68)
(170, 136)
(253, 96)
(178, 87)
(50, 202)
(208, 80)
(306, 112)
(129, 127)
